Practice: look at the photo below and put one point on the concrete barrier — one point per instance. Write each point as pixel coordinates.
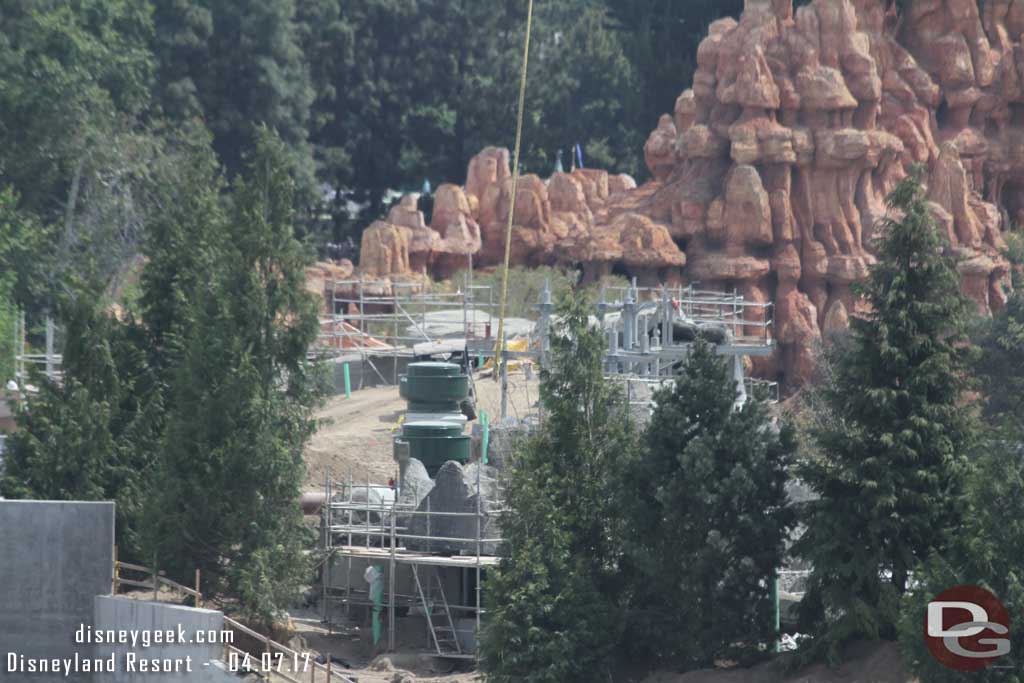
(184, 651)
(55, 558)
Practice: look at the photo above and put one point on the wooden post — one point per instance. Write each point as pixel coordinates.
(113, 581)
(156, 582)
(199, 596)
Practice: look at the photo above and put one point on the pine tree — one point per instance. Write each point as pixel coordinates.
(986, 550)
(225, 499)
(999, 368)
(181, 244)
(552, 615)
(92, 435)
(708, 519)
(892, 436)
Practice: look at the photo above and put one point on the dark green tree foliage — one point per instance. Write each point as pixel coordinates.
(660, 39)
(74, 84)
(67, 71)
(93, 435)
(225, 498)
(7, 322)
(985, 552)
(182, 243)
(20, 239)
(323, 32)
(1000, 368)
(237, 64)
(582, 90)
(184, 28)
(552, 601)
(408, 89)
(708, 520)
(892, 437)
(363, 88)
(411, 90)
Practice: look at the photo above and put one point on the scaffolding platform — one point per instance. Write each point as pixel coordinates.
(403, 556)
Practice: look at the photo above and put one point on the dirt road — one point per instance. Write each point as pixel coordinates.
(355, 433)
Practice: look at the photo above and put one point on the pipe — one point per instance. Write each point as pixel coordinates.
(312, 501)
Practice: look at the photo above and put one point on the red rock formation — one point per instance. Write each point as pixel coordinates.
(771, 173)
(320, 279)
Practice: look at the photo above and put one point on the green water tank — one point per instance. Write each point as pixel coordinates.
(433, 387)
(433, 443)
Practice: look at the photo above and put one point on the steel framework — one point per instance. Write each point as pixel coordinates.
(363, 529)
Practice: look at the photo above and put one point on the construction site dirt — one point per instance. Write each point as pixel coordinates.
(355, 434)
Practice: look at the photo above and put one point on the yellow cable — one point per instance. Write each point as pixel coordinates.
(515, 183)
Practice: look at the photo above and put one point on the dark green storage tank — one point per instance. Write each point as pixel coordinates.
(433, 443)
(433, 387)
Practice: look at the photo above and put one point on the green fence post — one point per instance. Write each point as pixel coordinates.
(348, 381)
(486, 422)
(377, 594)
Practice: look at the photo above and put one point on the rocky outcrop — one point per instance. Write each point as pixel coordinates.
(814, 116)
(455, 490)
(771, 173)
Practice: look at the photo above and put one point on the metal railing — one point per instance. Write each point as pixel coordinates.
(750, 322)
(154, 580)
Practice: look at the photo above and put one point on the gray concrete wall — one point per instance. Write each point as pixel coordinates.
(195, 659)
(55, 558)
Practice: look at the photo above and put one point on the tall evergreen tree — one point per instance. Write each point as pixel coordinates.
(1000, 368)
(552, 601)
(986, 550)
(225, 498)
(892, 438)
(92, 435)
(181, 245)
(708, 519)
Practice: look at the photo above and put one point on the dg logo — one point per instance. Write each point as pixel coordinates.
(967, 628)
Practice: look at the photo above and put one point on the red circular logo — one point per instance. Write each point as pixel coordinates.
(966, 628)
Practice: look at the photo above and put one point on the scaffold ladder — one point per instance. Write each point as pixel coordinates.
(445, 638)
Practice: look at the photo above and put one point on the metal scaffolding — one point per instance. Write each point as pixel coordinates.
(377, 326)
(370, 530)
(49, 362)
(650, 330)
